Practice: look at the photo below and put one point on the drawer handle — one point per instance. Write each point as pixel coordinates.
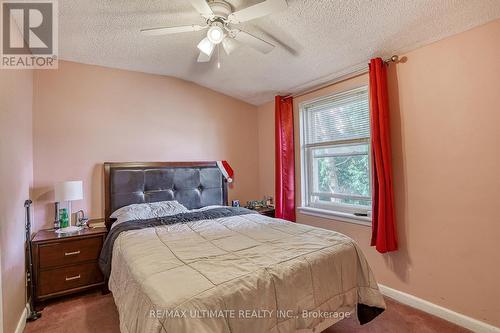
(76, 277)
(72, 253)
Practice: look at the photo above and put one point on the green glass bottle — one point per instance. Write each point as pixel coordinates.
(63, 218)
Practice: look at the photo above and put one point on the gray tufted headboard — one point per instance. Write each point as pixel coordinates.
(193, 184)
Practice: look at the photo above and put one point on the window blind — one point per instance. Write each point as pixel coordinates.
(342, 117)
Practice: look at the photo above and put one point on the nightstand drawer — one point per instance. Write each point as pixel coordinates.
(69, 252)
(69, 277)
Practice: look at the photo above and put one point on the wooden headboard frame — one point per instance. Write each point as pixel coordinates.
(108, 166)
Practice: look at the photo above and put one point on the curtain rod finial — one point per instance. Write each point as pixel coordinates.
(394, 58)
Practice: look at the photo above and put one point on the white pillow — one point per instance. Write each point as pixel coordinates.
(202, 209)
(146, 211)
(143, 209)
(167, 208)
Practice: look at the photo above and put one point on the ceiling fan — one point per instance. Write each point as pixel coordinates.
(220, 21)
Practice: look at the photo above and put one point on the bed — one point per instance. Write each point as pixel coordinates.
(222, 269)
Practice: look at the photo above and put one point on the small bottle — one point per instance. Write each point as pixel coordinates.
(63, 218)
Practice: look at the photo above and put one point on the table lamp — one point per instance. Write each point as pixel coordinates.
(68, 191)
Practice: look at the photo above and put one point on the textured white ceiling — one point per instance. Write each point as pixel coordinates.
(314, 38)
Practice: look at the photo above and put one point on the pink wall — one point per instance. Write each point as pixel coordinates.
(85, 115)
(16, 175)
(265, 116)
(445, 116)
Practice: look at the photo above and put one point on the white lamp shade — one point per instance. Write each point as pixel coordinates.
(68, 191)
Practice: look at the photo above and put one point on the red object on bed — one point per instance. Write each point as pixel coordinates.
(384, 235)
(285, 159)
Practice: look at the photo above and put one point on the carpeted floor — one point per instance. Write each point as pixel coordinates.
(95, 313)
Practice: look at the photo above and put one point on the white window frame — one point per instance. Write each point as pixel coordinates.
(334, 211)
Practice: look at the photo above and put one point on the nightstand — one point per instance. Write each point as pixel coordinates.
(267, 211)
(65, 264)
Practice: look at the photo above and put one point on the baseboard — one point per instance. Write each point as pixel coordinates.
(22, 321)
(439, 311)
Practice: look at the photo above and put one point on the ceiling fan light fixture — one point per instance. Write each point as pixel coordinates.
(229, 45)
(219, 18)
(215, 34)
(206, 46)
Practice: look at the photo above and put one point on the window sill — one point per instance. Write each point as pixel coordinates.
(337, 216)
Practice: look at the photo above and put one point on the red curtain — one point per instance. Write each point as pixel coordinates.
(384, 236)
(285, 159)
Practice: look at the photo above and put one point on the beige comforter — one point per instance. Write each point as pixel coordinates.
(247, 273)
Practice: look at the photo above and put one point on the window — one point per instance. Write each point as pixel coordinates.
(335, 143)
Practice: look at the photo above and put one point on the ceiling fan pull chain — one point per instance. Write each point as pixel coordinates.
(218, 56)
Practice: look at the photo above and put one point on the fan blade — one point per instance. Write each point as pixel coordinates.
(202, 7)
(203, 57)
(253, 41)
(261, 9)
(172, 30)
(230, 44)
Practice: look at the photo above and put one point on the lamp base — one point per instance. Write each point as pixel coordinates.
(68, 230)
